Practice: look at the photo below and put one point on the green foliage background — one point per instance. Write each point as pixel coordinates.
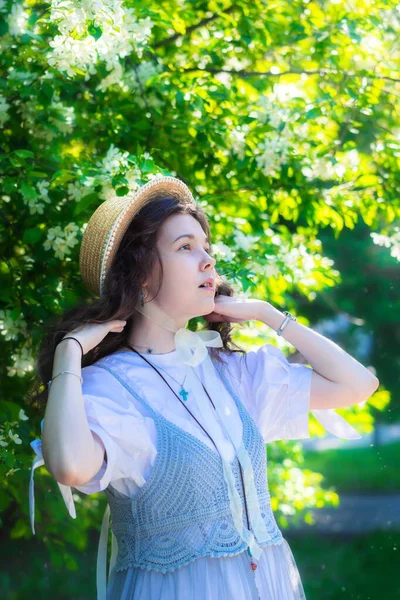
(282, 117)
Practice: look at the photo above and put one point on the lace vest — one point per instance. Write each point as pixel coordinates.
(182, 512)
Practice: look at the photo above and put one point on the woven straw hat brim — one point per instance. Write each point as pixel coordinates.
(108, 224)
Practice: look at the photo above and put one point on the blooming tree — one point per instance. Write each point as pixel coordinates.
(281, 117)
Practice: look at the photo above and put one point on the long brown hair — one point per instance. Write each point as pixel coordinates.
(123, 283)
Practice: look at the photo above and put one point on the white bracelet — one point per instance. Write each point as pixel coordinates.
(51, 380)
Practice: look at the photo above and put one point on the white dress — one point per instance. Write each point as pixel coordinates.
(277, 395)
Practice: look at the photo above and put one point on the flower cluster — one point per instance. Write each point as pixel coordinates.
(36, 198)
(17, 20)
(92, 31)
(389, 241)
(62, 240)
(274, 151)
(10, 326)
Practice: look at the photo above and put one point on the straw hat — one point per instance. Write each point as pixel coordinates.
(108, 224)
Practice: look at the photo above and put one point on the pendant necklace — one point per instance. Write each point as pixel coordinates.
(183, 393)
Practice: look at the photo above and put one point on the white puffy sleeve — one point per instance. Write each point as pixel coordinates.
(121, 428)
(277, 395)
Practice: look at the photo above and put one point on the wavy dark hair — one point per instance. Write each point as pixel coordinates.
(123, 283)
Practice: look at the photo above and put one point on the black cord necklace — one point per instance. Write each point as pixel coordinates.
(252, 564)
(173, 391)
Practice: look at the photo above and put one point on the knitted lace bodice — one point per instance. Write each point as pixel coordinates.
(182, 512)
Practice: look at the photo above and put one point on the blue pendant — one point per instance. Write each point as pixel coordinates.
(184, 393)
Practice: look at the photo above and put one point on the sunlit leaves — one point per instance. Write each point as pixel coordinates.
(282, 117)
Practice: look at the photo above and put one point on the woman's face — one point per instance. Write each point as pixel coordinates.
(186, 265)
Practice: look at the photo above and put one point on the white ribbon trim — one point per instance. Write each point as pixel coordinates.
(64, 489)
(101, 568)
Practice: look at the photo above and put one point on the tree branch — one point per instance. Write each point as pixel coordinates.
(243, 73)
(189, 30)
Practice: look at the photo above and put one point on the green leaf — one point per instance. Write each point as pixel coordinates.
(85, 202)
(95, 31)
(24, 153)
(179, 99)
(47, 89)
(38, 174)
(32, 236)
(313, 112)
(29, 191)
(118, 180)
(61, 176)
(147, 166)
(122, 191)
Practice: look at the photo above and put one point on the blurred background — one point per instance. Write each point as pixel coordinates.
(283, 119)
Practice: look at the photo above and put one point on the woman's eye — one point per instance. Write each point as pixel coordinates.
(208, 250)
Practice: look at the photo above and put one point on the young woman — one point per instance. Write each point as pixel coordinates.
(171, 423)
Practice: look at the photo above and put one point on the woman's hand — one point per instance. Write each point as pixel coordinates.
(234, 310)
(91, 335)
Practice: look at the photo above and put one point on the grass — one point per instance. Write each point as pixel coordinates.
(364, 567)
(373, 469)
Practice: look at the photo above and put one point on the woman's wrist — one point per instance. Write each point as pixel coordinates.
(68, 346)
(270, 315)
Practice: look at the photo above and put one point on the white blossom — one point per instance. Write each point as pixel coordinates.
(147, 69)
(131, 175)
(10, 327)
(324, 169)
(269, 111)
(236, 64)
(116, 76)
(221, 250)
(269, 268)
(62, 240)
(274, 152)
(389, 241)
(23, 363)
(113, 161)
(120, 31)
(76, 190)
(17, 20)
(15, 437)
(22, 416)
(40, 197)
(4, 106)
(107, 192)
(43, 188)
(244, 241)
(238, 142)
(11, 472)
(63, 117)
(292, 261)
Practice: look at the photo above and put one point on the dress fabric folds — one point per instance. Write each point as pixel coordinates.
(227, 578)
